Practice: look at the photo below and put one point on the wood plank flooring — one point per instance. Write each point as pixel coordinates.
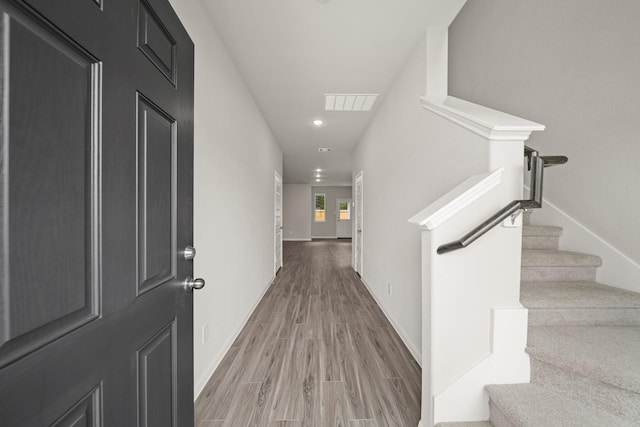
(317, 351)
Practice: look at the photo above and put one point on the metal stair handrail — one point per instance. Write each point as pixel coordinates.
(536, 164)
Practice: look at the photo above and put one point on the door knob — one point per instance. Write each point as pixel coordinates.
(189, 252)
(193, 284)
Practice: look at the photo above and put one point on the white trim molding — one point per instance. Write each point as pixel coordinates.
(491, 124)
(457, 199)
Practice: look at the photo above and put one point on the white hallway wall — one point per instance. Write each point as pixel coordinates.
(572, 65)
(296, 211)
(410, 158)
(233, 194)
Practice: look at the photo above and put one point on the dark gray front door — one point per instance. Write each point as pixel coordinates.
(96, 170)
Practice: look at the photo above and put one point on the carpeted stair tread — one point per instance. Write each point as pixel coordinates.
(579, 304)
(466, 424)
(576, 295)
(609, 354)
(557, 258)
(614, 400)
(541, 230)
(530, 405)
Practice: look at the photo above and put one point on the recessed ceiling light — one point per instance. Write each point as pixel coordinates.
(324, 150)
(318, 180)
(318, 122)
(318, 170)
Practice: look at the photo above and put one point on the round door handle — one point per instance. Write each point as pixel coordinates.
(193, 284)
(189, 252)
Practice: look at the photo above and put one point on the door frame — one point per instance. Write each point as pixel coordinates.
(277, 213)
(358, 228)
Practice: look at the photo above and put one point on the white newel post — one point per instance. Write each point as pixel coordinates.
(474, 328)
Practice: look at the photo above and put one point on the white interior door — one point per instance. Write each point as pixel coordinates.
(359, 231)
(343, 218)
(277, 224)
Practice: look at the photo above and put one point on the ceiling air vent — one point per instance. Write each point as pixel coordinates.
(324, 150)
(349, 101)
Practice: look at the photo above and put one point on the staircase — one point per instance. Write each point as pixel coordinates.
(583, 340)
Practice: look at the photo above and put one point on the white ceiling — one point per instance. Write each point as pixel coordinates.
(292, 52)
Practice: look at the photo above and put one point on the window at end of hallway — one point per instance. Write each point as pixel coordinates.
(319, 212)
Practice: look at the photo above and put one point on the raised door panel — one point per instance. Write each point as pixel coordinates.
(156, 379)
(156, 192)
(49, 195)
(86, 413)
(155, 41)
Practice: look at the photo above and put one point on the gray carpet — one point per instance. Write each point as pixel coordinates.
(531, 405)
(610, 354)
(584, 343)
(466, 424)
(579, 304)
(583, 340)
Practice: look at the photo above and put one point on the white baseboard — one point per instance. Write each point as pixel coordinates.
(215, 362)
(617, 268)
(296, 240)
(403, 336)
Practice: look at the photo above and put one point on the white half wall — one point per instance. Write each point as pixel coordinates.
(572, 65)
(410, 157)
(233, 195)
(296, 211)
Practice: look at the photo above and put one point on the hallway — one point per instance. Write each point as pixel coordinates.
(317, 351)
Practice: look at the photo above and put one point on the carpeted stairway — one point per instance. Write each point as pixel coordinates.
(584, 343)
(583, 340)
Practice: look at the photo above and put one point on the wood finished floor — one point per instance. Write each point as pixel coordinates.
(317, 351)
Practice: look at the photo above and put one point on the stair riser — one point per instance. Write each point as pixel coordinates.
(498, 418)
(617, 401)
(557, 274)
(540, 242)
(584, 317)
